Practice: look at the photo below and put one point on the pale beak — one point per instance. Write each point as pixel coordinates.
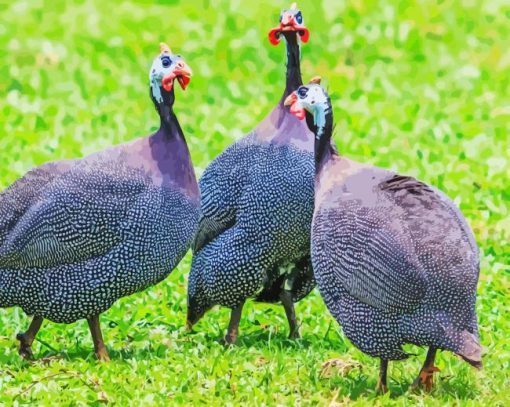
(295, 107)
(289, 100)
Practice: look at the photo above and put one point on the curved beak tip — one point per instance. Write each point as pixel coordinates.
(289, 100)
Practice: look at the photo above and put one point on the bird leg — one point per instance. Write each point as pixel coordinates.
(382, 383)
(26, 339)
(426, 376)
(288, 305)
(233, 326)
(97, 337)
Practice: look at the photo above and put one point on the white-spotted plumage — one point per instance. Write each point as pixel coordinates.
(256, 208)
(394, 259)
(77, 235)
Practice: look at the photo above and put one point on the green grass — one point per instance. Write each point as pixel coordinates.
(421, 87)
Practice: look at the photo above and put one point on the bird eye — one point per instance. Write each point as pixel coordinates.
(299, 18)
(302, 92)
(166, 62)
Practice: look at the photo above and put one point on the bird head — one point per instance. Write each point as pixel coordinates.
(291, 20)
(310, 101)
(198, 300)
(165, 69)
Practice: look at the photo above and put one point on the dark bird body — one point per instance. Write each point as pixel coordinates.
(259, 195)
(77, 235)
(257, 204)
(394, 259)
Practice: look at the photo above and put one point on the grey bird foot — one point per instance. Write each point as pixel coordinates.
(102, 355)
(228, 340)
(381, 388)
(425, 379)
(25, 347)
(295, 334)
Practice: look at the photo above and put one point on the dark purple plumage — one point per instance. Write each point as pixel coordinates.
(257, 202)
(77, 235)
(394, 259)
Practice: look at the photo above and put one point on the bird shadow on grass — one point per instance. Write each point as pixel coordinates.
(156, 352)
(263, 340)
(260, 339)
(360, 385)
(48, 356)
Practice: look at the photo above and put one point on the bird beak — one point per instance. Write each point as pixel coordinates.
(181, 72)
(295, 107)
(288, 23)
(289, 100)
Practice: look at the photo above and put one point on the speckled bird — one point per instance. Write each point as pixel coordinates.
(394, 259)
(253, 238)
(77, 235)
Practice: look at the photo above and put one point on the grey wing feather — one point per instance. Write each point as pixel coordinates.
(74, 220)
(374, 262)
(18, 197)
(219, 190)
(57, 232)
(209, 228)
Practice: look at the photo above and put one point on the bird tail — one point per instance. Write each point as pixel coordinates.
(470, 349)
(462, 340)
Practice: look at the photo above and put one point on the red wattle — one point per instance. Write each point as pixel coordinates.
(306, 33)
(273, 38)
(168, 81)
(297, 111)
(183, 81)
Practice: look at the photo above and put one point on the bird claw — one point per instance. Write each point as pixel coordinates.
(381, 388)
(294, 334)
(102, 355)
(425, 379)
(26, 352)
(228, 341)
(25, 349)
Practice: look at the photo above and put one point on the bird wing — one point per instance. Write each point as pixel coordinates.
(75, 219)
(19, 196)
(220, 188)
(373, 258)
(210, 226)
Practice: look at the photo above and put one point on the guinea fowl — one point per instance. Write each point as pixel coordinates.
(253, 238)
(394, 259)
(77, 235)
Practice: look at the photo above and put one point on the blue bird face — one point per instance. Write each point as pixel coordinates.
(198, 301)
(165, 69)
(313, 99)
(290, 20)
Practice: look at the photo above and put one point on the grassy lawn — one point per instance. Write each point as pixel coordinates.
(422, 87)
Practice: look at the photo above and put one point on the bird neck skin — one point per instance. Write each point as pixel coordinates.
(323, 122)
(169, 125)
(294, 80)
(170, 150)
